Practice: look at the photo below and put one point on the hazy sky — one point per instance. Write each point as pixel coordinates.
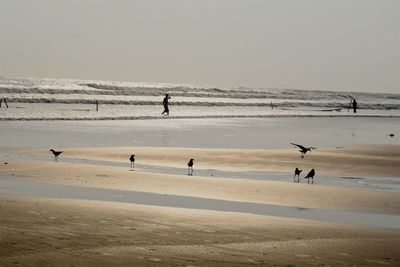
(350, 45)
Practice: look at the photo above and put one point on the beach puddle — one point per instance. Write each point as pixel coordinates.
(41, 189)
(351, 178)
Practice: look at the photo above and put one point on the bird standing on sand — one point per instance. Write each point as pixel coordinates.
(132, 159)
(303, 149)
(296, 173)
(310, 175)
(56, 154)
(190, 167)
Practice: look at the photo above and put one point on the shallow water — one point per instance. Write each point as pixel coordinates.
(51, 111)
(47, 190)
(250, 133)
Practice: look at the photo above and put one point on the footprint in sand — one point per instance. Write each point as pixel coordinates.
(154, 259)
(303, 255)
(378, 262)
(34, 212)
(106, 254)
(128, 228)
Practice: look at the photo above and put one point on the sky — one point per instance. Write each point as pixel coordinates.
(344, 45)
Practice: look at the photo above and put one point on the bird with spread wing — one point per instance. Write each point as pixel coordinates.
(303, 150)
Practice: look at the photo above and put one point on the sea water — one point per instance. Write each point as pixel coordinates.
(48, 112)
(47, 99)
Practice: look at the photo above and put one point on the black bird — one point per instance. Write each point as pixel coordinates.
(296, 173)
(303, 149)
(132, 159)
(56, 154)
(310, 175)
(190, 167)
(391, 135)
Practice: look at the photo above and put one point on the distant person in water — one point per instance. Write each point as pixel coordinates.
(165, 103)
(354, 105)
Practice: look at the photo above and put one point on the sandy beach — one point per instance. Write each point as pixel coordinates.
(50, 231)
(170, 133)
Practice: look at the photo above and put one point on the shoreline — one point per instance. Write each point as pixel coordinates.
(174, 117)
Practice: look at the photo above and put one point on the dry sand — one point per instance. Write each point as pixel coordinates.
(52, 232)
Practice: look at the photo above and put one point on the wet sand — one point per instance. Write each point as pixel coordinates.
(49, 231)
(271, 192)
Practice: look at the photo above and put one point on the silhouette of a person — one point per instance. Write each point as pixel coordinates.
(165, 103)
(354, 105)
(5, 102)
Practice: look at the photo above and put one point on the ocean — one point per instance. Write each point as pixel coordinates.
(60, 99)
(50, 113)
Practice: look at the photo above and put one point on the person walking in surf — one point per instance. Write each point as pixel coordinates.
(354, 105)
(165, 103)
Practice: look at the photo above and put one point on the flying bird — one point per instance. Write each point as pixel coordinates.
(296, 173)
(132, 159)
(303, 149)
(310, 175)
(391, 135)
(56, 154)
(190, 167)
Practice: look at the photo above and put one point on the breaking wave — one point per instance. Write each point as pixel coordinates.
(209, 101)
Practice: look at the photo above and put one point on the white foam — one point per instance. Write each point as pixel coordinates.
(130, 100)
